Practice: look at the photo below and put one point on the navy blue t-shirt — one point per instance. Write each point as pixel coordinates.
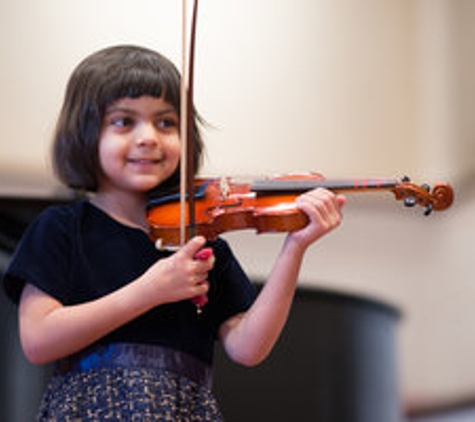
(77, 253)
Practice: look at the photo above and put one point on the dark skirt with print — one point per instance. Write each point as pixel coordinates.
(125, 390)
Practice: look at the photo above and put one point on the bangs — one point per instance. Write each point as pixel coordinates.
(136, 83)
(137, 76)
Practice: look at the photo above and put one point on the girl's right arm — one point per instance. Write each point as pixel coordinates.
(50, 331)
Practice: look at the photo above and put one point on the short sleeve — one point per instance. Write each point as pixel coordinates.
(42, 257)
(234, 292)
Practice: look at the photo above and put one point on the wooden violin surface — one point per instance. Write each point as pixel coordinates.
(268, 205)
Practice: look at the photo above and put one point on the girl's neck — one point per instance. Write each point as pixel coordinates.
(126, 209)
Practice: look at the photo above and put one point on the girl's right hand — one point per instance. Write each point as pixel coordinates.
(181, 276)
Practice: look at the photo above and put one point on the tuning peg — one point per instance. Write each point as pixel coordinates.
(428, 209)
(406, 179)
(410, 201)
(426, 187)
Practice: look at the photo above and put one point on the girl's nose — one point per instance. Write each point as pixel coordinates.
(146, 142)
(147, 136)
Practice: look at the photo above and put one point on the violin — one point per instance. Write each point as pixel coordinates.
(268, 205)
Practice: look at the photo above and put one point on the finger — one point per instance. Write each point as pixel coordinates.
(191, 248)
(320, 199)
(205, 255)
(321, 205)
(341, 200)
(331, 208)
(204, 285)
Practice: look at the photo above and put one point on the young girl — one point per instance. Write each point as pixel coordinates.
(97, 298)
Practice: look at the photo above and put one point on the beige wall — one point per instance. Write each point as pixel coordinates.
(366, 88)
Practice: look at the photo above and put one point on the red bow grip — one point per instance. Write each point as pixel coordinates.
(201, 300)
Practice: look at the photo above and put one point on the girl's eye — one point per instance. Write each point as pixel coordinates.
(121, 122)
(167, 123)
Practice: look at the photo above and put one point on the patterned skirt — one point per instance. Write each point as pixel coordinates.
(126, 382)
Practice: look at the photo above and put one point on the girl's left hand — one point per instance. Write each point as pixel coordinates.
(323, 209)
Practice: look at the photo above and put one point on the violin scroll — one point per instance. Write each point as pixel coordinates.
(438, 198)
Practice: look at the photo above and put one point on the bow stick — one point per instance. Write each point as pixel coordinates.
(187, 170)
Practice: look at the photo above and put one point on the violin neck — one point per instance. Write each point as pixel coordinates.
(288, 186)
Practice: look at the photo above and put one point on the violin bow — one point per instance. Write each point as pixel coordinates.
(187, 169)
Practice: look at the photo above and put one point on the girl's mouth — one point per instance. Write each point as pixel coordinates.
(144, 161)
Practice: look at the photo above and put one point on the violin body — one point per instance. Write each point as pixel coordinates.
(267, 205)
(223, 206)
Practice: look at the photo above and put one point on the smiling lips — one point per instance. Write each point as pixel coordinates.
(144, 161)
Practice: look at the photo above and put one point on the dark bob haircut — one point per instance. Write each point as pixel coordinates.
(99, 80)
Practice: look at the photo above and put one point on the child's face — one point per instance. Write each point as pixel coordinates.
(139, 145)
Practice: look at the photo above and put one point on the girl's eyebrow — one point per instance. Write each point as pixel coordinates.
(123, 109)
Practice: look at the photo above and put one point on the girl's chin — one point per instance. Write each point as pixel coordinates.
(144, 184)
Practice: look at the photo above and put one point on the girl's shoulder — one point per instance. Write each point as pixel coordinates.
(61, 215)
(64, 210)
(42, 249)
(50, 246)
(53, 220)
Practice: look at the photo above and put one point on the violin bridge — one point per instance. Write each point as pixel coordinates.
(224, 188)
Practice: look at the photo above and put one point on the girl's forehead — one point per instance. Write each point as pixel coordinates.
(140, 103)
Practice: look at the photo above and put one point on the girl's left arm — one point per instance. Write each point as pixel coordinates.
(250, 336)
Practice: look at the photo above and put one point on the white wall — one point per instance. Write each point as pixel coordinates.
(366, 88)
(330, 82)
